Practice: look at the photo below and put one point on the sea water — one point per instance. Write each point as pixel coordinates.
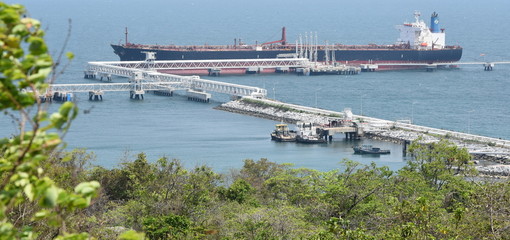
(467, 99)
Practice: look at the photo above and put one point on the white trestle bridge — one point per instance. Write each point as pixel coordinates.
(201, 64)
(143, 76)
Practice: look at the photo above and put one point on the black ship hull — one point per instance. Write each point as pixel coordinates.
(349, 56)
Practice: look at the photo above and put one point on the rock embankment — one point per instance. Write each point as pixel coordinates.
(271, 113)
(494, 170)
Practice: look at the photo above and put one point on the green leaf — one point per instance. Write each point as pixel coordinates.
(57, 120)
(70, 55)
(81, 203)
(41, 214)
(131, 235)
(66, 108)
(30, 22)
(74, 236)
(20, 29)
(87, 188)
(37, 45)
(9, 15)
(50, 197)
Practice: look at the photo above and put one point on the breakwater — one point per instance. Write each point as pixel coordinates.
(492, 155)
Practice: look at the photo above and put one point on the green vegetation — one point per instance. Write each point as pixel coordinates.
(32, 205)
(430, 198)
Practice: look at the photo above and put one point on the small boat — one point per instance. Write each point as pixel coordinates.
(368, 149)
(282, 133)
(307, 133)
(309, 139)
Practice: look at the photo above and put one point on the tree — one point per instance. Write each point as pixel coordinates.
(239, 191)
(439, 162)
(487, 214)
(257, 172)
(25, 66)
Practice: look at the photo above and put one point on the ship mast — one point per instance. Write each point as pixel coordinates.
(126, 36)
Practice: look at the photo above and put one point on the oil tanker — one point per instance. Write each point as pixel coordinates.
(418, 44)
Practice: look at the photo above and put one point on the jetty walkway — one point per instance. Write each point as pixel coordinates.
(201, 64)
(142, 79)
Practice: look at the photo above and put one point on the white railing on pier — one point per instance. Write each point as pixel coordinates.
(110, 87)
(194, 82)
(205, 64)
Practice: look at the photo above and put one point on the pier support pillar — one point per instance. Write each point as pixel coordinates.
(46, 98)
(96, 96)
(137, 91)
(168, 93)
(90, 74)
(136, 95)
(404, 148)
(431, 67)
(62, 96)
(214, 72)
(107, 76)
(488, 66)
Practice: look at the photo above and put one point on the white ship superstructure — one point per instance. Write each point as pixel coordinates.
(419, 36)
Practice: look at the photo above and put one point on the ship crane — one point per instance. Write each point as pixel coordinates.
(283, 41)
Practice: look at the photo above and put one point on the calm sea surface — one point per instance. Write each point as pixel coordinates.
(466, 99)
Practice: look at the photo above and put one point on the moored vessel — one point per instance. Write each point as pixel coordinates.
(417, 44)
(308, 133)
(281, 133)
(368, 149)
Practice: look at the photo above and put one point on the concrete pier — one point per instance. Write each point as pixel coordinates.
(198, 96)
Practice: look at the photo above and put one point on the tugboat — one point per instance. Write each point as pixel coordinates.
(308, 134)
(282, 133)
(368, 149)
